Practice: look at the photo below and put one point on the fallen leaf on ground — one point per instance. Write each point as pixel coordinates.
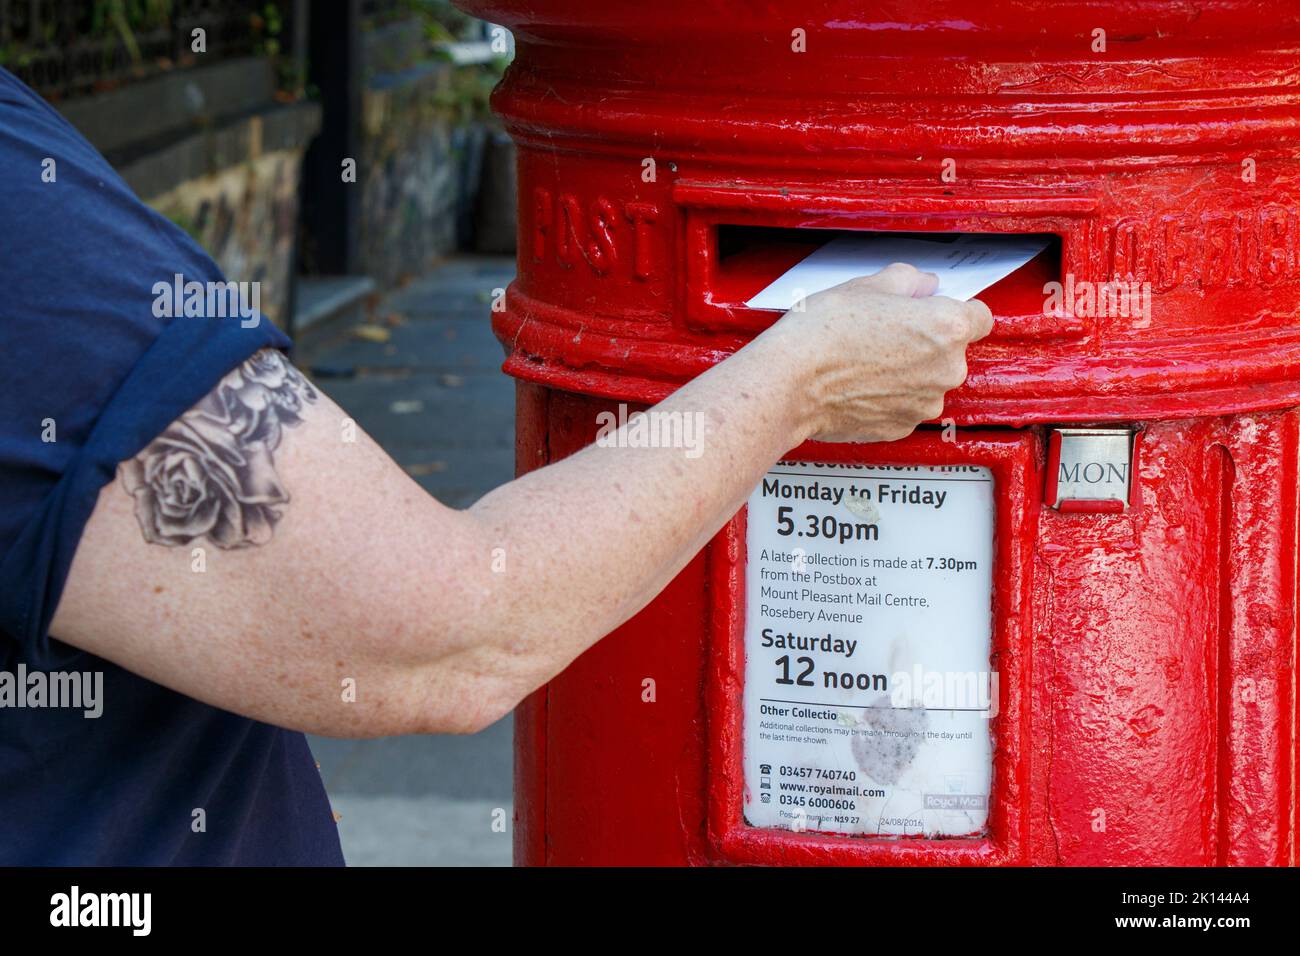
(426, 468)
(371, 333)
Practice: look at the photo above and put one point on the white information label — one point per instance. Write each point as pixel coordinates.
(868, 620)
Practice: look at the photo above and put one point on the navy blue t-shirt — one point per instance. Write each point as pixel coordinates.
(85, 362)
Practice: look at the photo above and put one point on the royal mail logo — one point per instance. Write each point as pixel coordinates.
(955, 801)
(1090, 469)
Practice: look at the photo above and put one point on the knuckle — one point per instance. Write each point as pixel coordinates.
(954, 374)
(951, 331)
(951, 324)
(980, 316)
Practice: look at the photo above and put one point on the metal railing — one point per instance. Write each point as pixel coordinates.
(65, 48)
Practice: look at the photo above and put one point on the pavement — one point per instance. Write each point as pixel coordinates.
(424, 379)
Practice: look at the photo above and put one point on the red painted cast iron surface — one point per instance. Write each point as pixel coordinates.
(675, 157)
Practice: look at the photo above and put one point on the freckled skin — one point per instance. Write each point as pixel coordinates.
(446, 619)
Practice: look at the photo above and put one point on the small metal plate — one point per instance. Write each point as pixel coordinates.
(1090, 469)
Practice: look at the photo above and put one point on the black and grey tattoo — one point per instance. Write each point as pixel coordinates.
(211, 474)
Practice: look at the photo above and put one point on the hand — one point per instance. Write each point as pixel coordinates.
(879, 352)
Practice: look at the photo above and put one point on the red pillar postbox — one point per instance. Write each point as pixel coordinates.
(1116, 543)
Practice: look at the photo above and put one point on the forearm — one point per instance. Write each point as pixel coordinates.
(439, 620)
(587, 542)
(294, 573)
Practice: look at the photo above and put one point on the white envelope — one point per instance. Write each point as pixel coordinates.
(966, 266)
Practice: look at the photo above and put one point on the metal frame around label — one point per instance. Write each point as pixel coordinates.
(1013, 459)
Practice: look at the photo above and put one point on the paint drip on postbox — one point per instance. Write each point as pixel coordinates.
(868, 690)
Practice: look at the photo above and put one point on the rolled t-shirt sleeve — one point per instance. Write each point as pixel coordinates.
(95, 363)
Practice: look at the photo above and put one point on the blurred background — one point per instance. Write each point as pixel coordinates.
(341, 154)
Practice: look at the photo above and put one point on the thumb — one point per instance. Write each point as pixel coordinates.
(981, 319)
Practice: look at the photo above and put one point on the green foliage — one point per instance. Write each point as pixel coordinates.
(185, 222)
(267, 25)
(465, 98)
(125, 40)
(442, 22)
(125, 17)
(15, 57)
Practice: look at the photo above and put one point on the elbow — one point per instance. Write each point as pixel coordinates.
(438, 698)
(471, 716)
(416, 717)
(453, 673)
(478, 717)
(449, 702)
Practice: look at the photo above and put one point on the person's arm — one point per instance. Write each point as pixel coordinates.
(324, 564)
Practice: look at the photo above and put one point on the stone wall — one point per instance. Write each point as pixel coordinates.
(218, 150)
(212, 149)
(408, 172)
(245, 217)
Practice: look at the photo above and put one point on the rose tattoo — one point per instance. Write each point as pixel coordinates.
(211, 474)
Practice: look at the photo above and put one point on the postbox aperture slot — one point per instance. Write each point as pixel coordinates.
(750, 257)
(737, 260)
